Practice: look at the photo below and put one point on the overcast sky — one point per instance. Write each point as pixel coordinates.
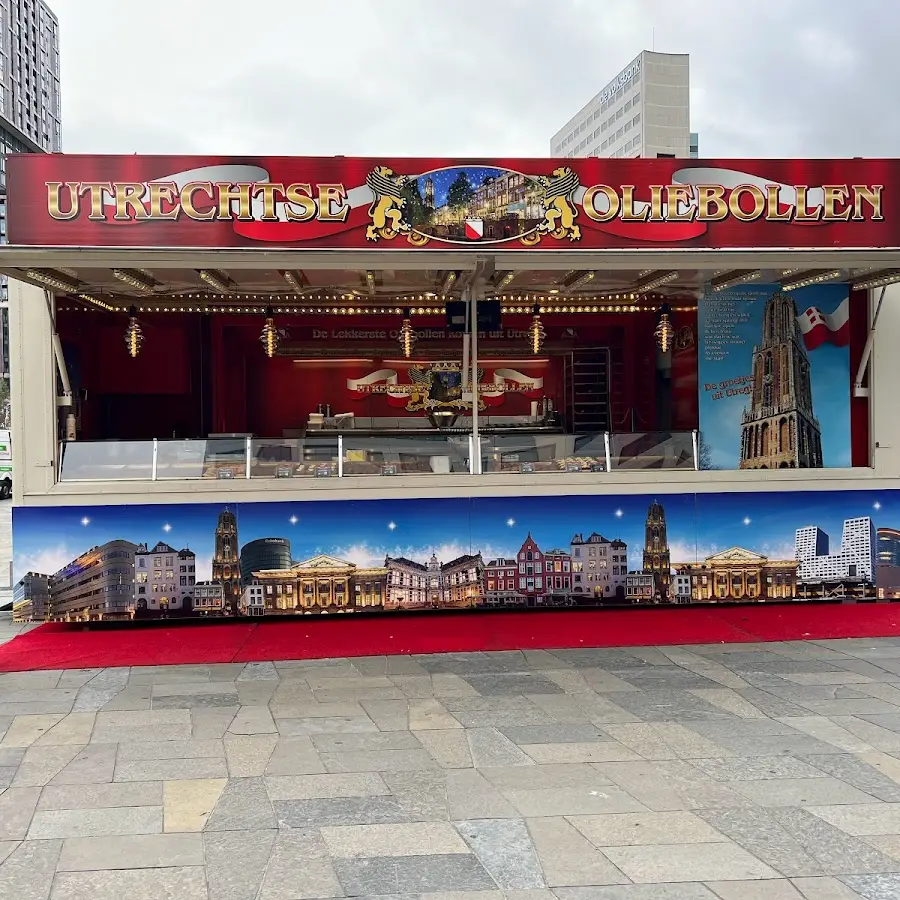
(466, 77)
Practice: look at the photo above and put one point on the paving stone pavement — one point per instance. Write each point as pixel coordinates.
(722, 772)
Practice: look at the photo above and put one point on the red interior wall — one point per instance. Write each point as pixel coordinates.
(860, 452)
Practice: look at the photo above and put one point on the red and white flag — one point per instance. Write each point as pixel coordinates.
(474, 229)
(818, 328)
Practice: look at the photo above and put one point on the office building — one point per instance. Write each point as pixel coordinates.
(643, 111)
(97, 585)
(264, 553)
(31, 598)
(30, 118)
(853, 561)
(888, 547)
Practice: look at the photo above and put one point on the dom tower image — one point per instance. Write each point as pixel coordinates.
(657, 561)
(779, 430)
(226, 566)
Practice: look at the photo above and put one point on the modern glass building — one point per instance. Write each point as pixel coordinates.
(264, 554)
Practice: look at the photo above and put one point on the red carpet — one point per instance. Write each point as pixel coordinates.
(58, 646)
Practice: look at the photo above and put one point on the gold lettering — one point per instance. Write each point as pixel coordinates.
(773, 201)
(836, 195)
(734, 202)
(679, 193)
(870, 194)
(628, 211)
(96, 189)
(590, 207)
(160, 192)
(235, 193)
(187, 200)
(268, 192)
(328, 194)
(656, 203)
(802, 213)
(299, 195)
(711, 195)
(129, 201)
(54, 207)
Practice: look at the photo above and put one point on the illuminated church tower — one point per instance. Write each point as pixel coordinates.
(429, 194)
(657, 560)
(779, 429)
(226, 564)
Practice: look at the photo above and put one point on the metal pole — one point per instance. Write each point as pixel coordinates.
(476, 442)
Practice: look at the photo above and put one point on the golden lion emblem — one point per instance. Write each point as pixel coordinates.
(387, 209)
(560, 211)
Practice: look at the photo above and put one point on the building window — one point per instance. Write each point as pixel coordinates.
(636, 119)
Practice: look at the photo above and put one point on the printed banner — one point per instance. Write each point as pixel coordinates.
(775, 378)
(410, 203)
(321, 557)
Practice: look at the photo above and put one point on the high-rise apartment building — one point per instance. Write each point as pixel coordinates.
(643, 111)
(30, 116)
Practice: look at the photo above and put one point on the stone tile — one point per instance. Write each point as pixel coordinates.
(146, 851)
(760, 737)
(472, 663)
(800, 792)
(27, 873)
(11, 756)
(294, 756)
(256, 693)
(259, 671)
(101, 796)
(340, 695)
(471, 796)
(520, 778)
(664, 740)
(589, 752)
(758, 768)
(187, 805)
(780, 889)
(325, 725)
(154, 750)
(348, 683)
(183, 883)
(870, 736)
(504, 848)
(374, 741)
(430, 715)
(170, 769)
(831, 733)
(25, 730)
(602, 711)
(730, 701)
(490, 748)
(316, 787)
(421, 795)
(299, 869)
(412, 875)
(17, 806)
(6, 849)
(387, 665)
(449, 749)
(236, 862)
(510, 684)
(824, 888)
(7, 773)
(123, 734)
(211, 724)
(341, 811)
(861, 820)
(253, 720)
(243, 805)
(418, 839)
(874, 887)
(688, 862)
(248, 755)
(665, 678)
(65, 823)
(566, 858)
(495, 712)
(572, 801)
(187, 689)
(74, 728)
(388, 715)
(378, 761)
(888, 844)
(553, 734)
(671, 785)
(194, 701)
(686, 891)
(568, 709)
(646, 828)
(41, 764)
(856, 770)
(662, 705)
(94, 764)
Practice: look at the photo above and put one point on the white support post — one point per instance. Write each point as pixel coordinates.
(340, 456)
(695, 440)
(476, 440)
(248, 450)
(155, 458)
(608, 454)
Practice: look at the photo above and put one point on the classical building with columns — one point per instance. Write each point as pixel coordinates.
(739, 574)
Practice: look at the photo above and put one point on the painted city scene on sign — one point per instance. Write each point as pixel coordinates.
(391, 556)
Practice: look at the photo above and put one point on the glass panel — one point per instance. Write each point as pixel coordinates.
(107, 461)
(652, 450)
(224, 458)
(537, 453)
(406, 455)
(308, 457)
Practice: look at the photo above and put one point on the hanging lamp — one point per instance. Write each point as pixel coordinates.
(536, 333)
(407, 336)
(134, 335)
(665, 330)
(269, 335)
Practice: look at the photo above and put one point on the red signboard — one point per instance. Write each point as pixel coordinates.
(343, 203)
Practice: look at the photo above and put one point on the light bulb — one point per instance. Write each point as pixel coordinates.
(536, 333)
(269, 335)
(407, 336)
(134, 335)
(664, 332)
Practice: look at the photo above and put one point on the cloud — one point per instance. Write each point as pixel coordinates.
(203, 567)
(46, 561)
(367, 555)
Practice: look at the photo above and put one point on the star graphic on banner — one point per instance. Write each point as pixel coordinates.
(167, 528)
(876, 505)
(392, 526)
(619, 513)
(85, 521)
(747, 520)
(293, 520)
(510, 522)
